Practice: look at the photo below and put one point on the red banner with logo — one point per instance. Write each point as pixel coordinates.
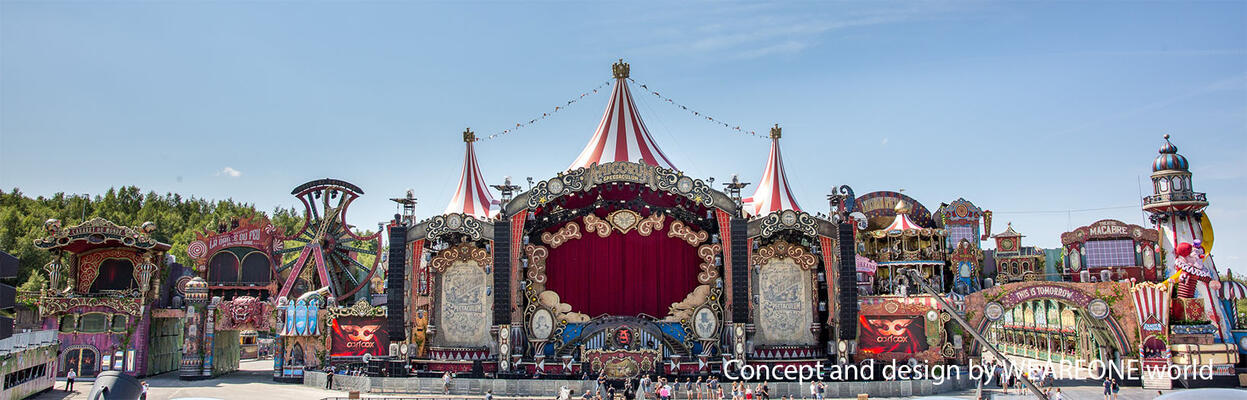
(356, 336)
(888, 334)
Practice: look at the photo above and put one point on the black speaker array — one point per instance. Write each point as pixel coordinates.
(740, 269)
(396, 276)
(848, 283)
(502, 272)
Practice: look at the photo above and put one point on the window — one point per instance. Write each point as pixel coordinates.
(93, 323)
(69, 323)
(26, 375)
(958, 232)
(255, 268)
(120, 323)
(1110, 253)
(223, 268)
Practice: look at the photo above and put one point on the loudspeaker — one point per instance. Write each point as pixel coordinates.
(395, 288)
(848, 282)
(502, 271)
(375, 367)
(740, 269)
(397, 368)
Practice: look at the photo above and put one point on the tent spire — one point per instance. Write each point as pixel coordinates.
(621, 136)
(773, 193)
(472, 196)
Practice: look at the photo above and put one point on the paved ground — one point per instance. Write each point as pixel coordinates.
(255, 381)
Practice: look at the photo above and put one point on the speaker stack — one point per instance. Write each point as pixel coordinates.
(740, 269)
(848, 282)
(396, 277)
(502, 271)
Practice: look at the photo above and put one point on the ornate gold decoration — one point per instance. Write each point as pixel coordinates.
(565, 234)
(679, 230)
(593, 224)
(469, 136)
(624, 220)
(462, 252)
(649, 224)
(776, 132)
(360, 309)
(620, 69)
(657, 178)
(708, 271)
(58, 305)
(782, 249)
(537, 263)
(89, 265)
(95, 229)
(457, 223)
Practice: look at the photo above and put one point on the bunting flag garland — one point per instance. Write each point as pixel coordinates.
(522, 124)
(699, 114)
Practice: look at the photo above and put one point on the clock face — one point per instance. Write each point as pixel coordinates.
(1006, 244)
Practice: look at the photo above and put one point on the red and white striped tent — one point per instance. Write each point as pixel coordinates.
(621, 136)
(773, 193)
(1152, 300)
(1233, 290)
(472, 196)
(902, 221)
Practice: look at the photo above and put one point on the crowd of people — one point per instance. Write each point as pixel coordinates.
(700, 388)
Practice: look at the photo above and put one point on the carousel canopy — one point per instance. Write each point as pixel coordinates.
(471, 197)
(1233, 290)
(902, 221)
(621, 136)
(773, 193)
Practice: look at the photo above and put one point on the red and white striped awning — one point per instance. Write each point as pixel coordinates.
(1151, 302)
(621, 136)
(472, 196)
(902, 223)
(773, 193)
(1233, 290)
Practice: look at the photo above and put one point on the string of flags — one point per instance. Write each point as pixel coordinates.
(544, 115)
(699, 114)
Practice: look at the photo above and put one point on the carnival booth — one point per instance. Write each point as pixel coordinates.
(1111, 250)
(960, 220)
(104, 296)
(904, 244)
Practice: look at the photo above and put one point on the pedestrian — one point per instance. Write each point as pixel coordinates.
(1116, 388)
(822, 389)
(765, 390)
(1057, 395)
(69, 380)
(489, 394)
(814, 390)
(446, 382)
(701, 386)
(748, 393)
(1108, 388)
(329, 378)
(143, 394)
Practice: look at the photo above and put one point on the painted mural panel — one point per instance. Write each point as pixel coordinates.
(784, 311)
(465, 306)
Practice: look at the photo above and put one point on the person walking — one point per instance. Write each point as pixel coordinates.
(1116, 388)
(69, 380)
(329, 378)
(446, 382)
(1108, 388)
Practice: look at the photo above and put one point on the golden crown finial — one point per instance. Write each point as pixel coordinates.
(776, 131)
(620, 69)
(469, 136)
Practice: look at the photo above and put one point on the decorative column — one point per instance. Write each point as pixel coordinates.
(196, 312)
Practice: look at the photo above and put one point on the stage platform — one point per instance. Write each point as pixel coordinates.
(549, 387)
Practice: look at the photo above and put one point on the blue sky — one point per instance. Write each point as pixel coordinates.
(1027, 109)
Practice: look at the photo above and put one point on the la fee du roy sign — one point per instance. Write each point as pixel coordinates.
(243, 238)
(1109, 229)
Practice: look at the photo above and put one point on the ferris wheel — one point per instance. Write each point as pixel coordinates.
(329, 253)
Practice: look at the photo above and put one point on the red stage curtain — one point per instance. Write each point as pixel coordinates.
(623, 274)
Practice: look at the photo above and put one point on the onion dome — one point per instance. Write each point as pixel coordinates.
(471, 197)
(1169, 159)
(621, 136)
(197, 290)
(773, 193)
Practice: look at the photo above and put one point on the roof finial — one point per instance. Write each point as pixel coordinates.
(776, 132)
(620, 69)
(469, 136)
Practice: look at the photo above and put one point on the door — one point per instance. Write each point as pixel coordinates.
(83, 361)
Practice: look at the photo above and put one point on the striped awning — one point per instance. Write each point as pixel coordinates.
(1233, 290)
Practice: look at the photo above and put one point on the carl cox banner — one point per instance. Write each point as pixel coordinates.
(356, 336)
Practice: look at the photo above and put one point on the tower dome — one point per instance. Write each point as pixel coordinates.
(1169, 159)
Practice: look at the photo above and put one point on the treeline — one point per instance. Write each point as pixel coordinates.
(177, 219)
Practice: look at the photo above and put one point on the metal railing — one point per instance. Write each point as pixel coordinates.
(25, 340)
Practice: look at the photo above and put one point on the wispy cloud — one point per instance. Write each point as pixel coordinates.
(230, 172)
(884, 142)
(753, 32)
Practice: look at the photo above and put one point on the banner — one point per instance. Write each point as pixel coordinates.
(356, 336)
(887, 334)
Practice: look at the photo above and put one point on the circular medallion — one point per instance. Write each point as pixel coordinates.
(704, 323)
(933, 315)
(788, 218)
(993, 311)
(181, 284)
(555, 186)
(1098, 309)
(685, 185)
(843, 346)
(740, 347)
(542, 323)
(502, 349)
(454, 221)
(197, 249)
(404, 349)
(962, 211)
(1242, 342)
(740, 330)
(623, 336)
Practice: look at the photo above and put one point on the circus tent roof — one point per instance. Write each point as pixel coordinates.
(621, 136)
(773, 193)
(472, 197)
(902, 221)
(1233, 290)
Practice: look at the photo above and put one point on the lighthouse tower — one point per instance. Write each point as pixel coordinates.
(1177, 211)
